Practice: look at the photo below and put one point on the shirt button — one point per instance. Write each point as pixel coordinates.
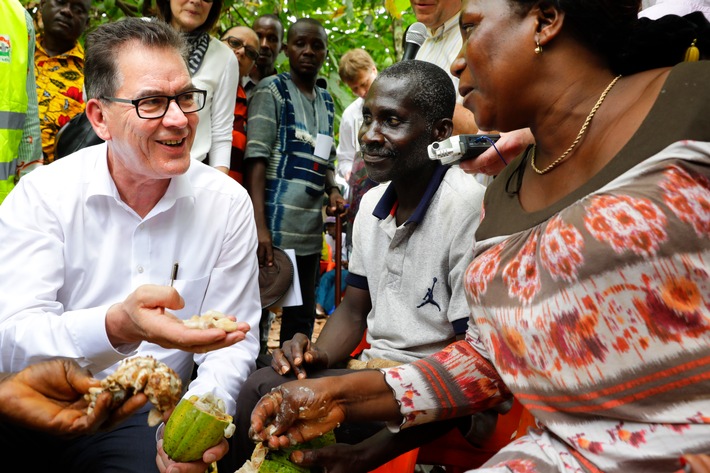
(140, 269)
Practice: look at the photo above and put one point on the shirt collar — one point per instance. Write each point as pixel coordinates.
(438, 33)
(248, 82)
(247, 79)
(77, 51)
(389, 198)
(101, 183)
(180, 187)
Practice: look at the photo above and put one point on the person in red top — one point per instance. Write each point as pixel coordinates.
(245, 44)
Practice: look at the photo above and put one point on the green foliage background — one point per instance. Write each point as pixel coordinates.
(376, 25)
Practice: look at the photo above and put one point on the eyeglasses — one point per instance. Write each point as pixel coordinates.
(156, 106)
(236, 44)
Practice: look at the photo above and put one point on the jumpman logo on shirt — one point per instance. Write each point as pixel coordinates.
(429, 297)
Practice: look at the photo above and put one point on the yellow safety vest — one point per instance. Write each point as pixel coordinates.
(13, 92)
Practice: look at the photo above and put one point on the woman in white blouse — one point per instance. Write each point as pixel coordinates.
(214, 68)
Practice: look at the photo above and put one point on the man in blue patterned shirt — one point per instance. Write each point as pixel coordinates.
(289, 165)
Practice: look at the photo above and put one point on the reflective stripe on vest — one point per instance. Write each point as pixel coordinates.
(13, 95)
(12, 120)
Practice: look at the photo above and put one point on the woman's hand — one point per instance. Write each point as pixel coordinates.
(301, 410)
(699, 463)
(49, 396)
(296, 412)
(510, 145)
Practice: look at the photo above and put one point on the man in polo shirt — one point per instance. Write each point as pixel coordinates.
(412, 242)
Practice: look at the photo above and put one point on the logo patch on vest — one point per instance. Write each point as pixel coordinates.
(5, 48)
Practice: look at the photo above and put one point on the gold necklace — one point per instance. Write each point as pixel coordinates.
(557, 161)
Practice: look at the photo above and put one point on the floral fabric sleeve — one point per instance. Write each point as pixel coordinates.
(454, 382)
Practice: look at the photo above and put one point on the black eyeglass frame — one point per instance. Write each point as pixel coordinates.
(250, 52)
(136, 102)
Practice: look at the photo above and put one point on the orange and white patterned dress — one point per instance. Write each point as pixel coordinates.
(594, 313)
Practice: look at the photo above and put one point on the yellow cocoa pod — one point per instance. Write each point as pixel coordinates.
(195, 425)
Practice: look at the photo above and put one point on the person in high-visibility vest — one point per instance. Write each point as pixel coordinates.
(19, 121)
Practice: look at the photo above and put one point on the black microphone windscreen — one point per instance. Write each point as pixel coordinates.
(416, 34)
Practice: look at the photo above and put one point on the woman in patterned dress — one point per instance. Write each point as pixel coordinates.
(590, 287)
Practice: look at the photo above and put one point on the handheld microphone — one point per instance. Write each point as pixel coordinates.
(460, 147)
(416, 34)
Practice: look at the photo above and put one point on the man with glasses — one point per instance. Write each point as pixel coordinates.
(156, 106)
(91, 244)
(245, 44)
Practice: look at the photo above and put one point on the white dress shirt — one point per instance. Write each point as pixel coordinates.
(71, 248)
(348, 143)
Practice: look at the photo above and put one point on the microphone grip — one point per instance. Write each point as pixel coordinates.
(410, 51)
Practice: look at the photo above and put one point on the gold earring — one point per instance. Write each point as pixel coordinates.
(692, 53)
(538, 48)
